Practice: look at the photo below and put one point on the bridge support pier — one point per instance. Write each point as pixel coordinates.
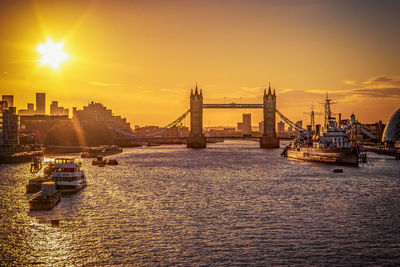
(269, 138)
(196, 138)
(196, 142)
(269, 142)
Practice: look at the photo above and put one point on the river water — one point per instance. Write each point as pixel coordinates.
(229, 204)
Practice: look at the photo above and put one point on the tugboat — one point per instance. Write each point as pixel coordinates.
(68, 176)
(46, 199)
(332, 147)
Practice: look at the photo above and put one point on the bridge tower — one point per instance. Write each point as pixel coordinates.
(269, 138)
(196, 138)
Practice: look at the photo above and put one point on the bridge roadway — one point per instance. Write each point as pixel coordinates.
(233, 105)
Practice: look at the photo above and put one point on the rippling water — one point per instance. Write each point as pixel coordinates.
(230, 204)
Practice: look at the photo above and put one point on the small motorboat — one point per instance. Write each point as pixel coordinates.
(99, 161)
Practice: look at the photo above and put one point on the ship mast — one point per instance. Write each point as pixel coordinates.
(328, 112)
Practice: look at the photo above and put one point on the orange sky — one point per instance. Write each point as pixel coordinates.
(140, 58)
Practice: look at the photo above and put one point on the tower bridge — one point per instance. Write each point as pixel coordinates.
(197, 139)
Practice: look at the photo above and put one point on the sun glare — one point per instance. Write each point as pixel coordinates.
(52, 54)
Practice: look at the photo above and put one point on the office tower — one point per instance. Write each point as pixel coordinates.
(281, 127)
(246, 123)
(41, 103)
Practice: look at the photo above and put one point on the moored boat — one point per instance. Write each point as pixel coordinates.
(98, 161)
(332, 147)
(93, 152)
(68, 176)
(34, 184)
(47, 198)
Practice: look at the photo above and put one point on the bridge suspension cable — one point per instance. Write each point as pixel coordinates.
(295, 126)
(178, 120)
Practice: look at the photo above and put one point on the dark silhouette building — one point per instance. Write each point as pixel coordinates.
(9, 127)
(40, 103)
(9, 99)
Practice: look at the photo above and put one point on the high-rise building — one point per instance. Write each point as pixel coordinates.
(281, 127)
(9, 123)
(9, 99)
(40, 103)
(246, 123)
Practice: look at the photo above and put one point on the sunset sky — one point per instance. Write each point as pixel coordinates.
(140, 58)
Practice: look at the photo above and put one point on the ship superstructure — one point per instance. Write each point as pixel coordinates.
(68, 175)
(332, 146)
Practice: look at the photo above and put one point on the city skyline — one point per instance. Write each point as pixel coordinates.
(233, 49)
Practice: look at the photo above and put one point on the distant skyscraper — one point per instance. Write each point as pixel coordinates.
(41, 103)
(246, 123)
(9, 99)
(281, 127)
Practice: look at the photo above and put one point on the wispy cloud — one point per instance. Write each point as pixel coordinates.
(382, 86)
(107, 84)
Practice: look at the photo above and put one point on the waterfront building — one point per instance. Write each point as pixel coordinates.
(9, 99)
(391, 134)
(40, 103)
(100, 125)
(9, 126)
(48, 130)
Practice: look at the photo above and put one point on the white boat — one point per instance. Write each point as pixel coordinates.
(68, 176)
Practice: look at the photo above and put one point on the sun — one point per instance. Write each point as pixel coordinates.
(52, 54)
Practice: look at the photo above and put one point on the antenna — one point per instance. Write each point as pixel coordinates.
(312, 116)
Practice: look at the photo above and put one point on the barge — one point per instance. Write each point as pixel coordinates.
(47, 198)
(94, 152)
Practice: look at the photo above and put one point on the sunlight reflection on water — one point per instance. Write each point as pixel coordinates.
(232, 203)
